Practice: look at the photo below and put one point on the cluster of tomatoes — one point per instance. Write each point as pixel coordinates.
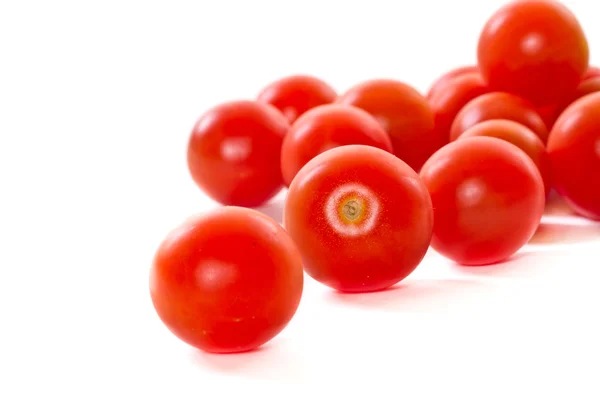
(377, 175)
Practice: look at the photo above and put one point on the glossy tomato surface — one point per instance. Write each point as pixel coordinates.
(498, 105)
(574, 149)
(324, 128)
(296, 94)
(403, 112)
(535, 49)
(234, 153)
(361, 218)
(227, 281)
(587, 86)
(488, 199)
(592, 72)
(449, 76)
(520, 136)
(448, 100)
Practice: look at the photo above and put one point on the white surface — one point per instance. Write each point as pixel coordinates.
(96, 103)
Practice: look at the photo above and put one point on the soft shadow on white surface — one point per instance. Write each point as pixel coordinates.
(550, 232)
(272, 361)
(274, 208)
(557, 206)
(426, 295)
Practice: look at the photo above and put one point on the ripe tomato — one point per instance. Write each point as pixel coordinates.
(587, 86)
(498, 105)
(404, 114)
(227, 281)
(574, 149)
(361, 218)
(294, 95)
(234, 153)
(520, 136)
(592, 72)
(324, 128)
(488, 199)
(448, 100)
(448, 77)
(535, 49)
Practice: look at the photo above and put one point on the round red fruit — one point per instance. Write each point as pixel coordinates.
(405, 115)
(448, 77)
(227, 281)
(296, 94)
(498, 105)
(574, 149)
(234, 153)
(361, 218)
(324, 128)
(535, 49)
(488, 199)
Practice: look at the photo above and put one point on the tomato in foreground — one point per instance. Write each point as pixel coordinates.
(296, 94)
(324, 128)
(442, 81)
(227, 281)
(520, 136)
(405, 115)
(447, 101)
(361, 218)
(488, 200)
(535, 49)
(498, 105)
(234, 153)
(574, 149)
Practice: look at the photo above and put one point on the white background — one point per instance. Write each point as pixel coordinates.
(96, 103)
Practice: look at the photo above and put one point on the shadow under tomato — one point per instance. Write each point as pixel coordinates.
(274, 209)
(269, 362)
(566, 233)
(425, 295)
(557, 206)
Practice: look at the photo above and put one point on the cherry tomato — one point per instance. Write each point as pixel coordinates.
(574, 149)
(234, 153)
(324, 128)
(361, 218)
(498, 105)
(592, 72)
(448, 100)
(488, 199)
(227, 281)
(448, 77)
(587, 86)
(535, 49)
(404, 114)
(520, 136)
(549, 114)
(294, 95)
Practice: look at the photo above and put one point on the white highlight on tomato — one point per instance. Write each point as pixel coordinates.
(370, 205)
(236, 149)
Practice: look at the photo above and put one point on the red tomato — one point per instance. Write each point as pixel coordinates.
(549, 114)
(324, 128)
(294, 95)
(535, 49)
(592, 72)
(227, 281)
(447, 101)
(587, 86)
(404, 114)
(488, 199)
(520, 136)
(498, 105)
(574, 149)
(234, 153)
(442, 81)
(361, 218)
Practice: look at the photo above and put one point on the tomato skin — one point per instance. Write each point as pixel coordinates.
(520, 136)
(488, 200)
(296, 94)
(442, 81)
(527, 44)
(324, 128)
(448, 100)
(361, 218)
(227, 281)
(498, 105)
(574, 150)
(404, 114)
(592, 72)
(234, 153)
